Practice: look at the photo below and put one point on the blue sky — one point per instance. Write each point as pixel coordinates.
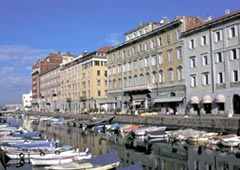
(30, 29)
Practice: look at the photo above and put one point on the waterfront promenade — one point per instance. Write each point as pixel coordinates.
(218, 123)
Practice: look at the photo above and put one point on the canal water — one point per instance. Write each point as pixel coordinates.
(163, 157)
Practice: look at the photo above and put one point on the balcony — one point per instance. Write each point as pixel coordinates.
(68, 99)
(235, 84)
(221, 86)
(138, 87)
(83, 98)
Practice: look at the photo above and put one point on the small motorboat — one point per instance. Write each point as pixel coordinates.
(61, 158)
(107, 161)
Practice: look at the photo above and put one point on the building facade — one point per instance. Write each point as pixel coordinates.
(84, 81)
(146, 71)
(52, 60)
(27, 101)
(213, 66)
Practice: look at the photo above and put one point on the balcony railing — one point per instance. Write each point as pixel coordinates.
(138, 87)
(235, 84)
(83, 98)
(220, 86)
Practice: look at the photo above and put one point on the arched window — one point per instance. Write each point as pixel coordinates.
(171, 74)
(179, 73)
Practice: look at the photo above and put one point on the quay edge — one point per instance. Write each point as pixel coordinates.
(204, 122)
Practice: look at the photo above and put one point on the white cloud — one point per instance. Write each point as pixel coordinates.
(15, 71)
(22, 54)
(114, 38)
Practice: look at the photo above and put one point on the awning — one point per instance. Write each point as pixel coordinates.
(207, 99)
(168, 99)
(194, 100)
(220, 98)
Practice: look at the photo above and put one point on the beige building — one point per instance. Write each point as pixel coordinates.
(50, 87)
(145, 71)
(84, 81)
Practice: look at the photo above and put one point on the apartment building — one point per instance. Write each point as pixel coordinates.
(39, 67)
(50, 86)
(213, 66)
(27, 101)
(84, 81)
(146, 71)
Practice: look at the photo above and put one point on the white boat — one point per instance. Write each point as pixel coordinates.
(23, 153)
(107, 161)
(231, 141)
(142, 131)
(55, 159)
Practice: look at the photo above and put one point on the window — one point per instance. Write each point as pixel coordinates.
(134, 50)
(119, 68)
(205, 79)
(134, 35)
(160, 58)
(99, 82)
(232, 32)
(113, 71)
(179, 73)
(135, 80)
(169, 38)
(160, 41)
(141, 79)
(153, 60)
(98, 72)
(204, 40)
(152, 44)
(99, 93)
(160, 76)
(140, 48)
(204, 60)
(193, 80)
(170, 55)
(220, 78)
(219, 57)
(178, 34)
(235, 75)
(145, 47)
(145, 62)
(234, 54)
(179, 53)
(218, 36)
(193, 62)
(139, 32)
(153, 77)
(191, 44)
(171, 74)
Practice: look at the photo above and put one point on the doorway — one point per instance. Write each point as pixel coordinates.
(236, 104)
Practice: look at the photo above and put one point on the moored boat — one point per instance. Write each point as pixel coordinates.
(61, 158)
(18, 153)
(107, 161)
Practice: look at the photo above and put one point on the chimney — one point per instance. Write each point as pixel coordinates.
(209, 17)
(227, 11)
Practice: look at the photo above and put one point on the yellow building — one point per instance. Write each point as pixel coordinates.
(84, 82)
(145, 71)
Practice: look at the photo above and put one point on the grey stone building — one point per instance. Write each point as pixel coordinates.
(212, 66)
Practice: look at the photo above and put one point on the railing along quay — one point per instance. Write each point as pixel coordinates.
(217, 123)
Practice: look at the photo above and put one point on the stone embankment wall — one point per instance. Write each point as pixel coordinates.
(206, 122)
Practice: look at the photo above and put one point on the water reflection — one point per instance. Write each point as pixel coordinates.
(164, 156)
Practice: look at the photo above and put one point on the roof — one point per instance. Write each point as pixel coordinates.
(213, 21)
(104, 48)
